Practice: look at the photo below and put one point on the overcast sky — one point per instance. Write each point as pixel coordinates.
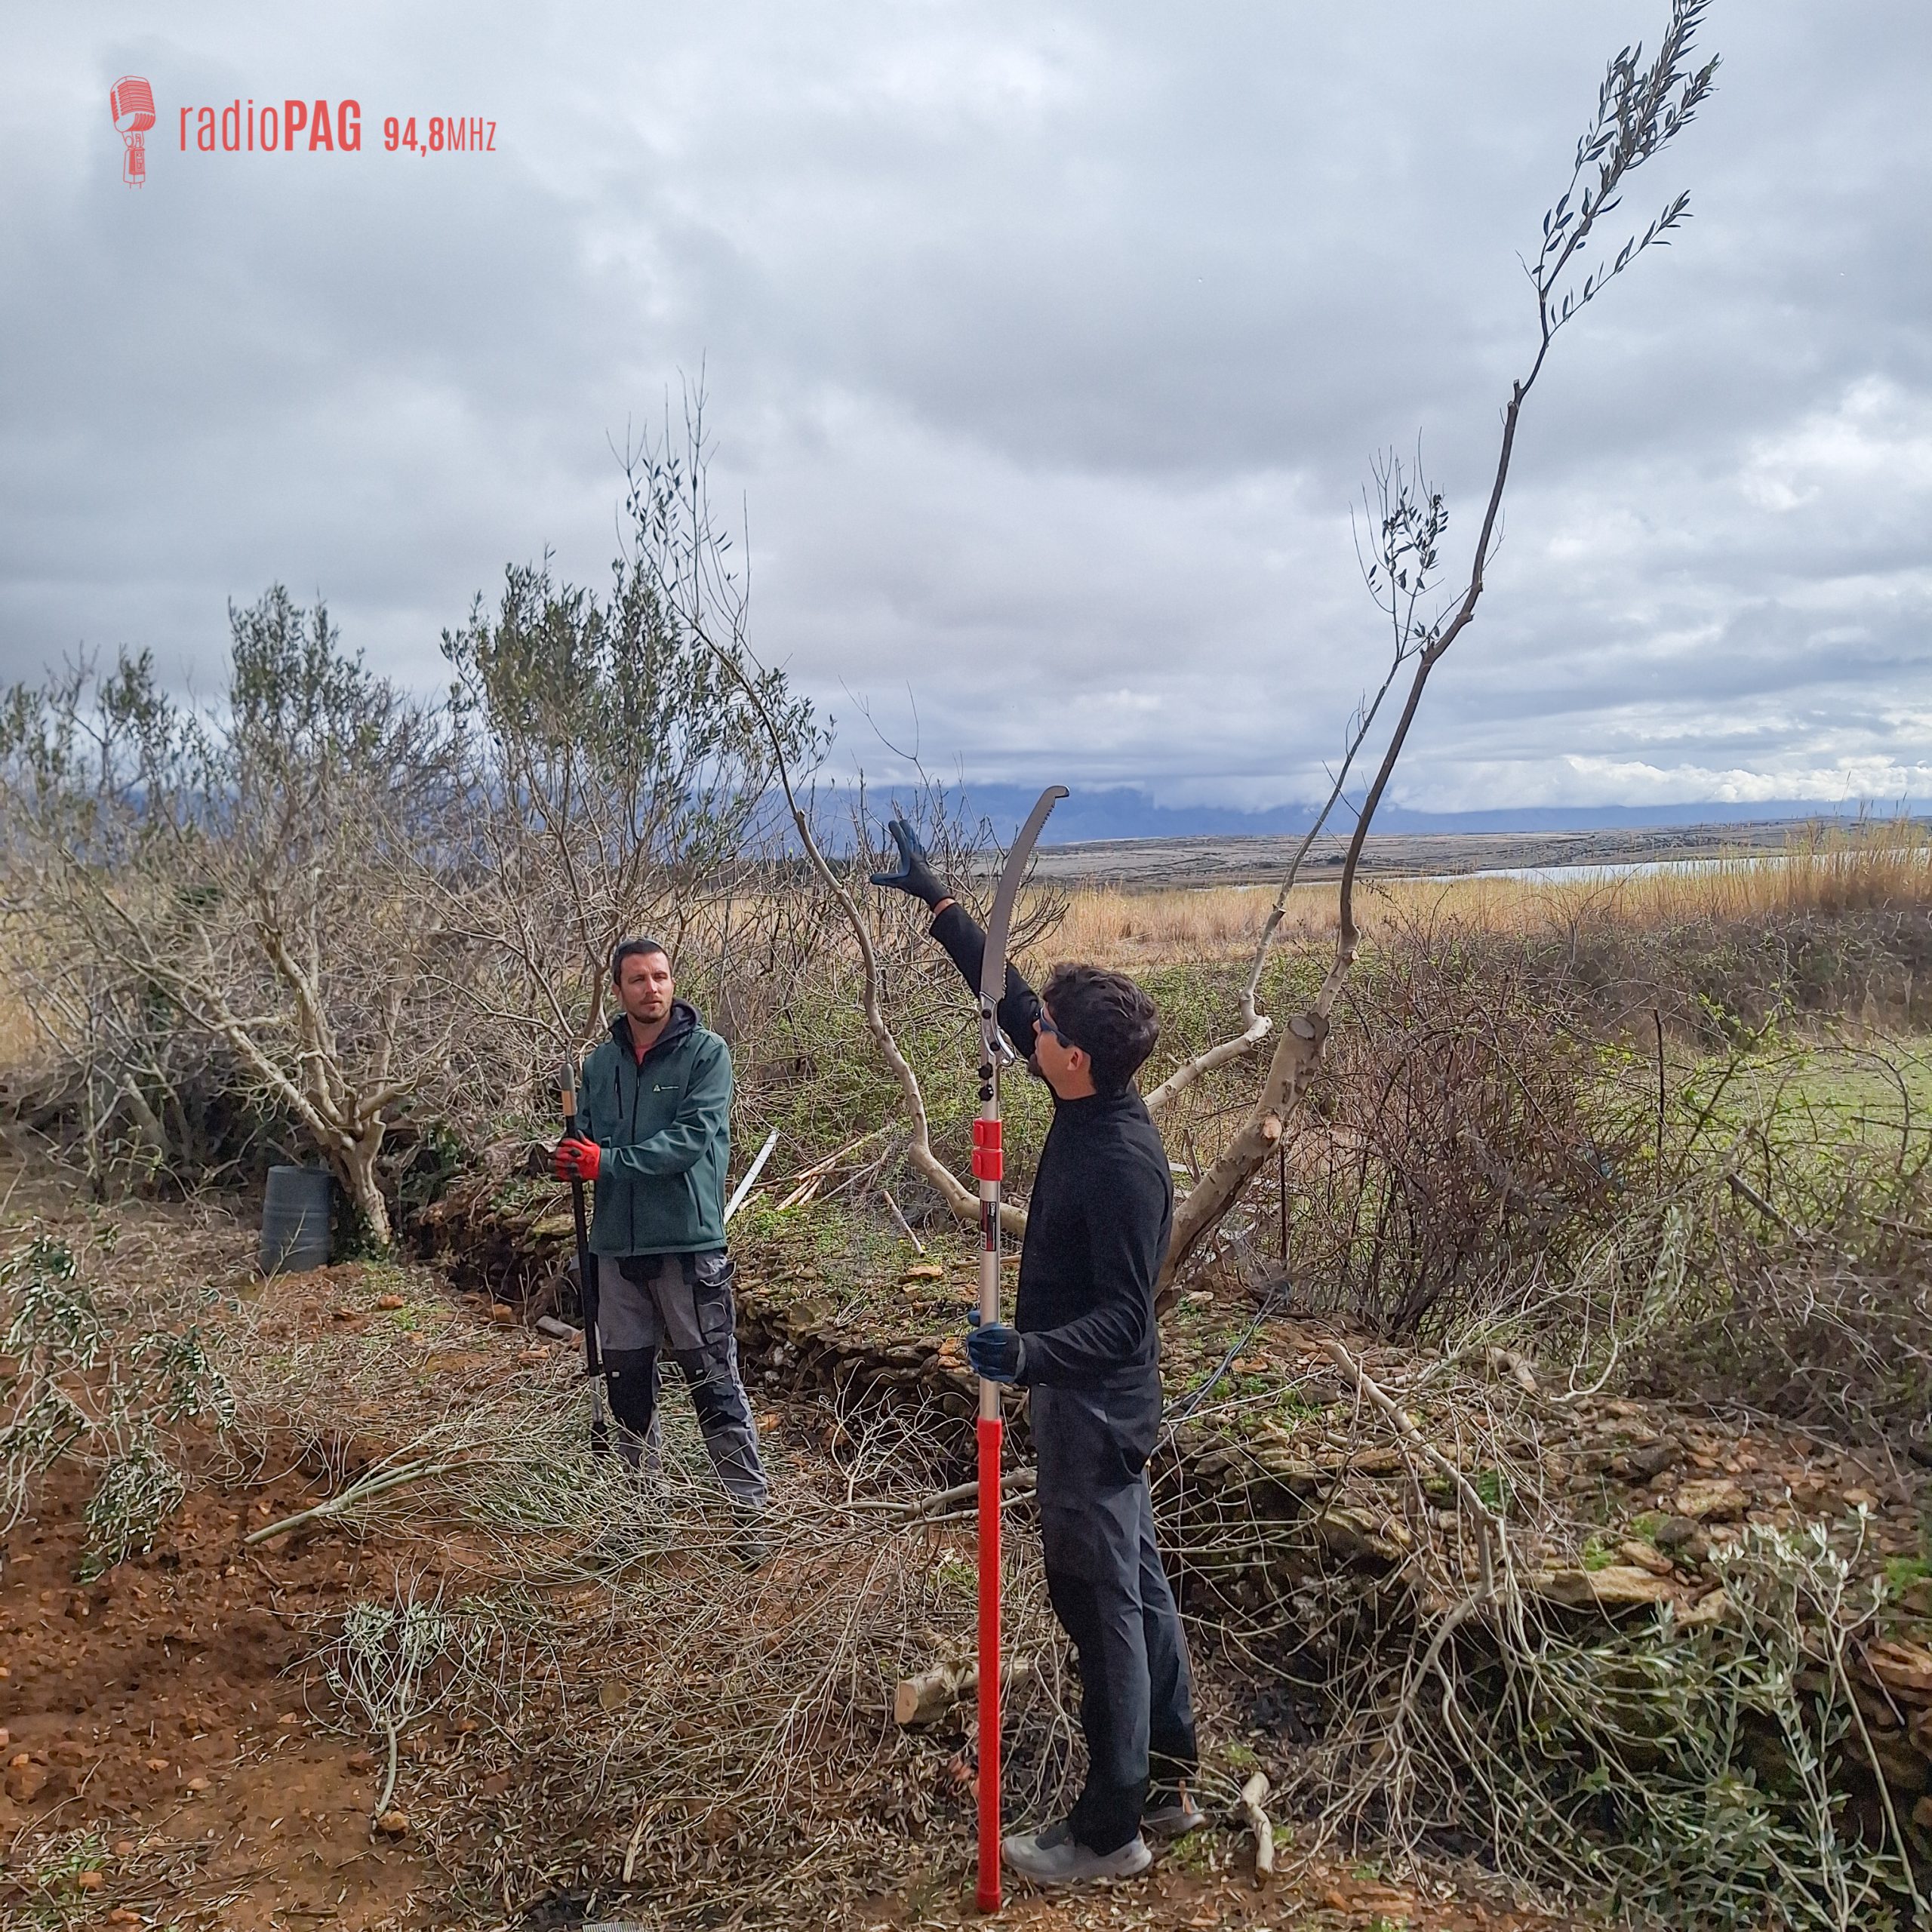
(1047, 346)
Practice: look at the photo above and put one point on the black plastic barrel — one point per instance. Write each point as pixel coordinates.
(295, 1220)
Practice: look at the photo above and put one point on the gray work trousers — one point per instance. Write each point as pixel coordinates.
(649, 1303)
(1111, 1596)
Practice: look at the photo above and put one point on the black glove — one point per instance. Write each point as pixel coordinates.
(996, 1351)
(916, 875)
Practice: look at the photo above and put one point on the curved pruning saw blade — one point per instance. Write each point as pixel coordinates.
(999, 921)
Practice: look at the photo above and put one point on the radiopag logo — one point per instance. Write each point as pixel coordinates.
(131, 101)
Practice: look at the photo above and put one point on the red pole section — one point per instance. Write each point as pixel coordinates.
(991, 1432)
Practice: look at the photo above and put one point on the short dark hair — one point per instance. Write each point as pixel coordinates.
(631, 948)
(1108, 1017)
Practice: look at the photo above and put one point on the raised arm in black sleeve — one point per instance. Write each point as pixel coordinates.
(956, 929)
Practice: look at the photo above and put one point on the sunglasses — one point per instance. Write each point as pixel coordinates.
(1043, 1025)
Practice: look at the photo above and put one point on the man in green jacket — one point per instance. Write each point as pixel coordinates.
(655, 1100)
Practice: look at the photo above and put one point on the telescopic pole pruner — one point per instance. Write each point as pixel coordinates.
(988, 1169)
(586, 1261)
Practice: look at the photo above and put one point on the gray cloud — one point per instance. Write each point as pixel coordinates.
(1047, 343)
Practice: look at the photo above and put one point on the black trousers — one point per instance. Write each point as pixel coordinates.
(1111, 1595)
(683, 1303)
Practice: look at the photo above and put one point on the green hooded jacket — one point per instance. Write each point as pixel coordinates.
(664, 1126)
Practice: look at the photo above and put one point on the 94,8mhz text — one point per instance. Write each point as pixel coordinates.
(450, 135)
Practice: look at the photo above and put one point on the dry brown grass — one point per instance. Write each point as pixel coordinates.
(23, 956)
(1887, 865)
(19, 1038)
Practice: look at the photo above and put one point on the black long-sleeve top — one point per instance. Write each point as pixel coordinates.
(1099, 1220)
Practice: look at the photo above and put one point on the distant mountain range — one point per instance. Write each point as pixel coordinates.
(1124, 811)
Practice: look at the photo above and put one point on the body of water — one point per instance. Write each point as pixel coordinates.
(1581, 874)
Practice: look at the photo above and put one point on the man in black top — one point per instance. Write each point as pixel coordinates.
(1085, 1345)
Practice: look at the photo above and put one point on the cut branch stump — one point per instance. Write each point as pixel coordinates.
(931, 1694)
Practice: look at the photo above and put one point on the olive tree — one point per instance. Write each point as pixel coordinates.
(234, 868)
(616, 776)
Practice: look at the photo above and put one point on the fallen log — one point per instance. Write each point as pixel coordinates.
(931, 1694)
(1253, 1796)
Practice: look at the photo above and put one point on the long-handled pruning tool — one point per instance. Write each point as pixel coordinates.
(586, 1261)
(989, 1168)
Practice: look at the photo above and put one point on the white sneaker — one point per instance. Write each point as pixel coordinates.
(1055, 1857)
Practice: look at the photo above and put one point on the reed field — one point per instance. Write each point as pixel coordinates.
(1881, 866)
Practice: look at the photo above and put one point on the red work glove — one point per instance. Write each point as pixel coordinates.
(578, 1160)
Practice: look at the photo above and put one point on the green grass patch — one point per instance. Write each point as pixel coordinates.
(1192, 1854)
(1489, 1486)
(1801, 1100)
(1902, 1572)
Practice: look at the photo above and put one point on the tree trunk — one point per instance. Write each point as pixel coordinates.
(1297, 1052)
(356, 1168)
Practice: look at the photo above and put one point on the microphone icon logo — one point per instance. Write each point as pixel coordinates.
(131, 100)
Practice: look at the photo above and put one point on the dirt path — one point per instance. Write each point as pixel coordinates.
(155, 1737)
